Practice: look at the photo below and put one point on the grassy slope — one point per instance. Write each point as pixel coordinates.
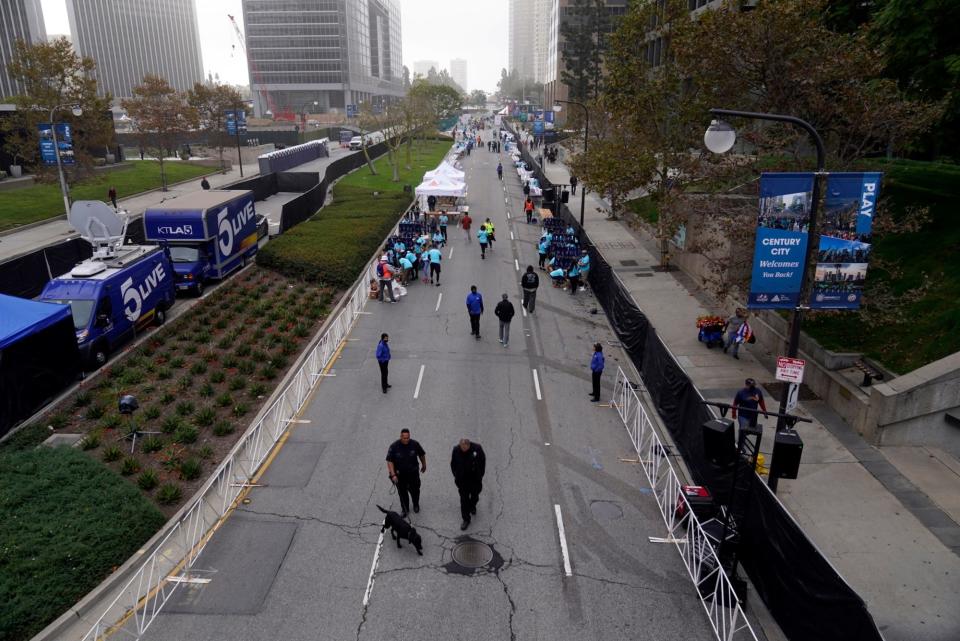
(30, 204)
(47, 564)
(333, 246)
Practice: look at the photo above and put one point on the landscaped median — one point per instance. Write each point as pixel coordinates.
(71, 516)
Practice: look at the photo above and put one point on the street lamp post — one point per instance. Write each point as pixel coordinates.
(77, 111)
(719, 138)
(586, 137)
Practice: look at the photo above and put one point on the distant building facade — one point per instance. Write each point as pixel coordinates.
(332, 52)
(522, 25)
(131, 38)
(19, 20)
(423, 67)
(458, 71)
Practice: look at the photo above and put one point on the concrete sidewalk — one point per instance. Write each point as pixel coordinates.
(887, 518)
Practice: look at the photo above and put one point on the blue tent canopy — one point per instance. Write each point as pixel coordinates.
(20, 317)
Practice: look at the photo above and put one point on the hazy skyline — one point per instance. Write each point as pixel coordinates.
(476, 32)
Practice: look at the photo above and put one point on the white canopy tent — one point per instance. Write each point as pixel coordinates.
(441, 187)
(445, 170)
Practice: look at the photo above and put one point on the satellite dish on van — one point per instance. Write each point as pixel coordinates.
(100, 225)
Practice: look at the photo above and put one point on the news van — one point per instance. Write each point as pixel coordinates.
(210, 234)
(117, 293)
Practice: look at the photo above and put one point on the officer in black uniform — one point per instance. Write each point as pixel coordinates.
(402, 467)
(468, 463)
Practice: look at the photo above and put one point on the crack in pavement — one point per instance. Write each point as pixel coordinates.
(353, 530)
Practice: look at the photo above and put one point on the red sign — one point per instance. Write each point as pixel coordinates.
(790, 370)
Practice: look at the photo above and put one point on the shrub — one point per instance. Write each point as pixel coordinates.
(152, 444)
(112, 421)
(247, 367)
(225, 343)
(164, 373)
(222, 428)
(217, 377)
(184, 383)
(116, 371)
(268, 372)
(240, 409)
(171, 424)
(95, 412)
(58, 421)
(112, 453)
(169, 493)
(177, 362)
(237, 383)
(257, 390)
(82, 399)
(151, 413)
(190, 469)
(185, 408)
(202, 337)
(259, 334)
(300, 330)
(190, 350)
(129, 466)
(205, 452)
(230, 362)
(167, 398)
(185, 435)
(224, 400)
(278, 361)
(206, 390)
(222, 323)
(90, 441)
(198, 368)
(148, 480)
(210, 356)
(133, 376)
(205, 416)
(243, 351)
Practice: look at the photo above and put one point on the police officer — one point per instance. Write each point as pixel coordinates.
(402, 467)
(468, 463)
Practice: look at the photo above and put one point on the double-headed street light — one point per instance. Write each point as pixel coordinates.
(719, 139)
(586, 135)
(77, 111)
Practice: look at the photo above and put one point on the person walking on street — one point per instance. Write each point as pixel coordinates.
(385, 278)
(443, 224)
(474, 309)
(573, 185)
(528, 209)
(731, 327)
(468, 464)
(746, 402)
(431, 202)
(500, 171)
(504, 311)
(491, 234)
(465, 222)
(744, 335)
(383, 359)
(543, 248)
(112, 195)
(404, 472)
(596, 368)
(205, 184)
(529, 283)
(483, 238)
(435, 257)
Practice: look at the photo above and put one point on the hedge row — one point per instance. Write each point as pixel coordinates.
(99, 524)
(334, 246)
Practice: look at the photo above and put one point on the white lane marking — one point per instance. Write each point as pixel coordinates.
(516, 264)
(508, 214)
(563, 541)
(504, 199)
(439, 298)
(511, 236)
(373, 569)
(536, 385)
(416, 392)
(451, 254)
(524, 310)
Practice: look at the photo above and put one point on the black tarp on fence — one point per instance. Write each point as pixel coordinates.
(806, 596)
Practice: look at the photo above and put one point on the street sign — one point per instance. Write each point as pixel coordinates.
(793, 396)
(48, 152)
(236, 120)
(352, 111)
(790, 370)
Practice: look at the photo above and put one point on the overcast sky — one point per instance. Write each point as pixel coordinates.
(472, 29)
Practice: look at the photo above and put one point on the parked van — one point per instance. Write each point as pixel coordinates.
(113, 300)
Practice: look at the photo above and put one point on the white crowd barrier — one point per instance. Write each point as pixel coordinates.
(169, 563)
(713, 586)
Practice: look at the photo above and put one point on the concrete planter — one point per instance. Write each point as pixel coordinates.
(16, 171)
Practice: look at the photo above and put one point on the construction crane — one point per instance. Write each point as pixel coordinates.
(254, 71)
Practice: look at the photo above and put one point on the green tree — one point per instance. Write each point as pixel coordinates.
(160, 115)
(55, 79)
(210, 102)
(477, 97)
(512, 87)
(584, 33)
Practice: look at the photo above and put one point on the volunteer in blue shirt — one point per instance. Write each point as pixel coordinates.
(474, 308)
(557, 276)
(574, 276)
(406, 270)
(383, 358)
(483, 238)
(543, 247)
(412, 257)
(443, 224)
(584, 264)
(435, 256)
(596, 367)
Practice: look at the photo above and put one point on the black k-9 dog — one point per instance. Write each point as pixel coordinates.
(400, 529)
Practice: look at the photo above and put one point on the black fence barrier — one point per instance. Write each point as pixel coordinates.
(809, 600)
(305, 205)
(27, 275)
(262, 186)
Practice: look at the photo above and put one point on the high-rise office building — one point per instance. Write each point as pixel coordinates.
(131, 38)
(329, 52)
(19, 20)
(423, 67)
(458, 71)
(522, 23)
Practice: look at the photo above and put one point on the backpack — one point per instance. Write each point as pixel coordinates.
(379, 270)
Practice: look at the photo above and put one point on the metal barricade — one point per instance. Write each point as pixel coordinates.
(713, 586)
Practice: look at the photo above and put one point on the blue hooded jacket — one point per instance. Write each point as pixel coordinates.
(596, 363)
(475, 303)
(383, 352)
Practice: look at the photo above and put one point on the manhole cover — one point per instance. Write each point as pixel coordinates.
(607, 510)
(472, 554)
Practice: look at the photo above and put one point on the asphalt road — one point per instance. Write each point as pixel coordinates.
(298, 561)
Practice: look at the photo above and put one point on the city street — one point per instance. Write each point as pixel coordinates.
(305, 558)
